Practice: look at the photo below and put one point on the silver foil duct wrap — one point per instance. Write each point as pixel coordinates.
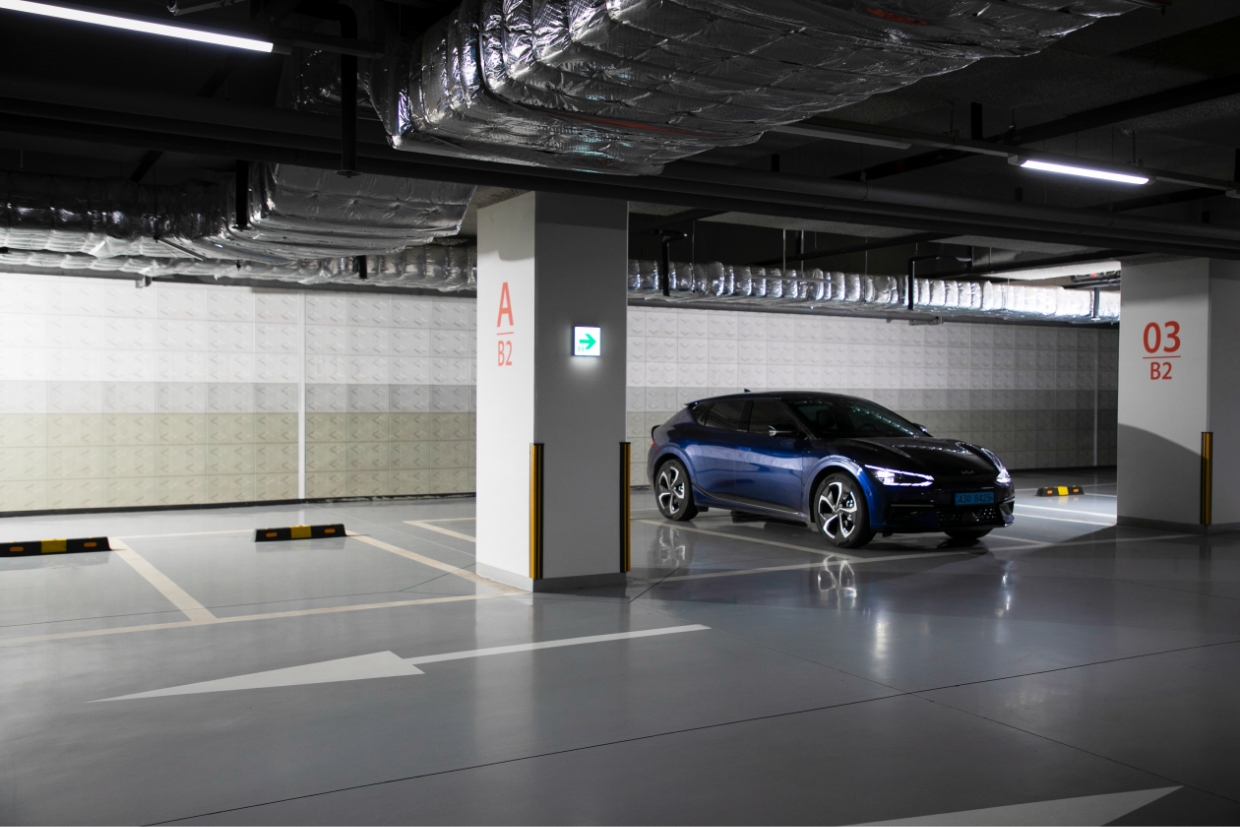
(294, 214)
(629, 85)
(771, 287)
(428, 267)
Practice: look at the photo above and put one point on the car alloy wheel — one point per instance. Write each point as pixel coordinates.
(674, 492)
(843, 516)
(837, 512)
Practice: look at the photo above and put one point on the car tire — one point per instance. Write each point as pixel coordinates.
(841, 512)
(673, 492)
(966, 533)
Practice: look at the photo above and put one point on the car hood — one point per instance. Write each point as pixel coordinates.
(938, 457)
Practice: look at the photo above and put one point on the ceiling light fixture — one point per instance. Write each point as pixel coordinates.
(1069, 169)
(133, 24)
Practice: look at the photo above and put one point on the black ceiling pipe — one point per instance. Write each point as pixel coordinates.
(685, 184)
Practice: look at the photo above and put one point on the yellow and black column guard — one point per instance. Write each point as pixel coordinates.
(536, 511)
(58, 546)
(626, 483)
(1060, 490)
(1207, 477)
(298, 532)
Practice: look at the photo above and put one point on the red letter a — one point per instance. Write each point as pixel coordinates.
(505, 307)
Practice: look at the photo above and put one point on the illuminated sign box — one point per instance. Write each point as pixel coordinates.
(587, 341)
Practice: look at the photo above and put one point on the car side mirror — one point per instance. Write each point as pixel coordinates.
(921, 428)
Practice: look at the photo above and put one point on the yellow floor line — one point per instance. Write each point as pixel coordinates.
(215, 621)
(426, 525)
(464, 574)
(192, 609)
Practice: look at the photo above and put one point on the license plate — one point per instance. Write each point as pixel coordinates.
(979, 498)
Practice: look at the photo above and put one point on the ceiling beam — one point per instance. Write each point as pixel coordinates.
(1119, 112)
(228, 133)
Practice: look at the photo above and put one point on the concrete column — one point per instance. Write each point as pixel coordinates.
(546, 264)
(1179, 377)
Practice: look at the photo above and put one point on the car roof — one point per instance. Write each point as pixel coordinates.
(781, 395)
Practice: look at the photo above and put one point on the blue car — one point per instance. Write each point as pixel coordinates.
(846, 465)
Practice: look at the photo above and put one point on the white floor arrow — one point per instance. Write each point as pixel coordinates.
(362, 667)
(379, 665)
(1087, 809)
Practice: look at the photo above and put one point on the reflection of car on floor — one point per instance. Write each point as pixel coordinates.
(853, 468)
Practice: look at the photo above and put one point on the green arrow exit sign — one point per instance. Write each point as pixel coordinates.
(587, 341)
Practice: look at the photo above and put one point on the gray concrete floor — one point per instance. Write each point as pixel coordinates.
(1062, 670)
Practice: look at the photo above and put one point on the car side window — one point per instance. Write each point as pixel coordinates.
(770, 418)
(699, 413)
(727, 414)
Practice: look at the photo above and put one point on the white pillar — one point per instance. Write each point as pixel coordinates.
(546, 264)
(1179, 377)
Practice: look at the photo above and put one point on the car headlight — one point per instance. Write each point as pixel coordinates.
(890, 476)
(1004, 477)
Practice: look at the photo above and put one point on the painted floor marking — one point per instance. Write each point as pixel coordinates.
(426, 525)
(457, 571)
(361, 667)
(802, 566)
(1065, 520)
(381, 665)
(1064, 510)
(1102, 541)
(188, 534)
(1082, 810)
(555, 644)
(449, 520)
(190, 607)
(182, 624)
(754, 540)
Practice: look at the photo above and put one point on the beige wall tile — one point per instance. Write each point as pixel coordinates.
(367, 484)
(270, 428)
(129, 429)
(74, 429)
(325, 456)
(275, 486)
(181, 429)
(181, 461)
(367, 456)
(23, 495)
(368, 427)
(77, 463)
(23, 464)
(325, 484)
(23, 430)
(182, 490)
(79, 493)
(230, 488)
(132, 461)
(230, 459)
(230, 428)
(275, 459)
(326, 427)
(132, 491)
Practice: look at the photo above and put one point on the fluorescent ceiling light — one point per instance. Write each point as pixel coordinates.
(136, 25)
(1067, 169)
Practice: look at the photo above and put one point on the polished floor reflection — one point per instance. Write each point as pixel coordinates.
(1059, 671)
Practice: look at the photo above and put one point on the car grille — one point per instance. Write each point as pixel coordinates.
(980, 515)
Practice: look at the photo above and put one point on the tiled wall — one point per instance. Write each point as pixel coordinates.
(1025, 392)
(183, 394)
(389, 395)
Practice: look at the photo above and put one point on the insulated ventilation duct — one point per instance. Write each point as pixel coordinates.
(630, 85)
(290, 216)
(770, 288)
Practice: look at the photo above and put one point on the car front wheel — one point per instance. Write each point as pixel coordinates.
(674, 492)
(842, 514)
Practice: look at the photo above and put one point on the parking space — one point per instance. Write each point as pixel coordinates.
(358, 679)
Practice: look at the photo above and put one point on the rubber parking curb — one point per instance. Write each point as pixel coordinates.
(1060, 490)
(298, 532)
(55, 546)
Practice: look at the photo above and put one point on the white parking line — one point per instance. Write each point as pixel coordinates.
(176, 595)
(801, 566)
(755, 540)
(1066, 520)
(456, 571)
(554, 644)
(1023, 506)
(426, 524)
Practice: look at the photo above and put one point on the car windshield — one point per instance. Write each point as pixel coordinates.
(842, 418)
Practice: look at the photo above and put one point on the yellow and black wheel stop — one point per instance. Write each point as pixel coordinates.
(1060, 490)
(56, 546)
(298, 532)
